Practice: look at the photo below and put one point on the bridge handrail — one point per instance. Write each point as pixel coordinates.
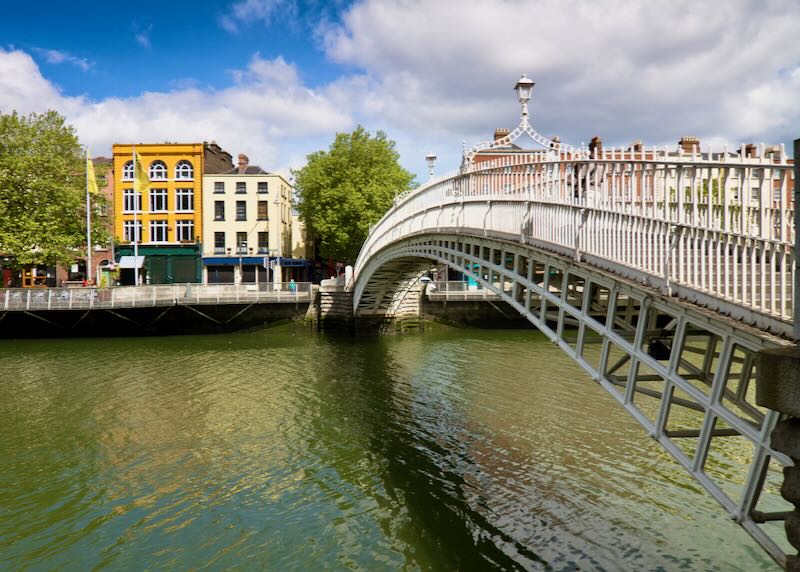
(732, 223)
(31, 299)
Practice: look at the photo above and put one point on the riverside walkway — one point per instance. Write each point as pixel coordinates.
(27, 299)
(149, 310)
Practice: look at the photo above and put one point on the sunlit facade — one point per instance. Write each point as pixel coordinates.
(166, 220)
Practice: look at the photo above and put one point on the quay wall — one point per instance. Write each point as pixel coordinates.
(148, 321)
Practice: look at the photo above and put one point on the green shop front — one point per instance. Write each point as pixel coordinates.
(161, 264)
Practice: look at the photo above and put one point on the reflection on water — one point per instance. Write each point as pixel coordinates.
(283, 450)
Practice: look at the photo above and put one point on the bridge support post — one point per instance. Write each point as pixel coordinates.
(778, 388)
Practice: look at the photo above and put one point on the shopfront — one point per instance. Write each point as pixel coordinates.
(164, 265)
(254, 269)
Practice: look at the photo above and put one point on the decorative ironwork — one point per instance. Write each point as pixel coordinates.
(524, 127)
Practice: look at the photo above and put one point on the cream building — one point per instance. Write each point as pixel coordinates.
(247, 226)
(302, 248)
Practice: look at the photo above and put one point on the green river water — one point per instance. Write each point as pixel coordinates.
(287, 450)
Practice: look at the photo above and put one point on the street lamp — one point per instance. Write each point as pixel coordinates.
(430, 158)
(524, 88)
(279, 224)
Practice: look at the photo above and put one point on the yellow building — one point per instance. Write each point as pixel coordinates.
(169, 223)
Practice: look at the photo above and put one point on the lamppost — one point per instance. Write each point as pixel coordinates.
(430, 158)
(279, 221)
(524, 88)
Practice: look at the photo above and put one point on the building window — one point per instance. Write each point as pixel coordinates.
(219, 243)
(219, 210)
(241, 243)
(184, 171)
(263, 243)
(127, 201)
(158, 171)
(184, 200)
(127, 171)
(127, 230)
(263, 187)
(219, 187)
(158, 200)
(158, 231)
(262, 210)
(184, 230)
(241, 187)
(241, 210)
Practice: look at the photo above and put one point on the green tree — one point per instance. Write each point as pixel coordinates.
(42, 190)
(346, 189)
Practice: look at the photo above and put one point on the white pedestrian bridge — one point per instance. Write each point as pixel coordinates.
(661, 271)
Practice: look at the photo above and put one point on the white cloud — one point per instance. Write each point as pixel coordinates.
(267, 114)
(59, 57)
(275, 72)
(142, 37)
(443, 71)
(432, 74)
(22, 87)
(257, 11)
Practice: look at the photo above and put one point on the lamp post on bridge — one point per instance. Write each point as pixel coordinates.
(524, 88)
(430, 158)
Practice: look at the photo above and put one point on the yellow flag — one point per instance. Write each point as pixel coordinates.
(140, 178)
(92, 180)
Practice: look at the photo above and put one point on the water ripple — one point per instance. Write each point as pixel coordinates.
(285, 450)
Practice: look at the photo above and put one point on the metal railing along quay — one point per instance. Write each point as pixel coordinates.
(458, 290)
(26, 299)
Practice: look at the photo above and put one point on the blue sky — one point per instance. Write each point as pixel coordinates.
(276, 79)
(166, 44)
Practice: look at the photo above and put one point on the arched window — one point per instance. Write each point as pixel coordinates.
(158, 171)
(127, 171)
(184, 171)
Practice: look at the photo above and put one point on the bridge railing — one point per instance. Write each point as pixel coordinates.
(714, 227)
(458, 290)
(23, 299)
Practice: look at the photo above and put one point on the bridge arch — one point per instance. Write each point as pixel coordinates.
(662, 272)
(686, 374)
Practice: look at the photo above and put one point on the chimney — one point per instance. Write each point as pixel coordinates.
(750, 151)
(500, 132)
(689, 144)
(596, 143)
(243, 162)
(636, 147)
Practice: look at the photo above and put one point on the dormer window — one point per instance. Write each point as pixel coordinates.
(158, 171)
(184, 171)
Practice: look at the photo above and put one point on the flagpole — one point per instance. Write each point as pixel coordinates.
(135, 222)
(88, 223)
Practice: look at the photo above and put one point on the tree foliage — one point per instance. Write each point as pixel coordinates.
(346, 189)
(42, 190)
